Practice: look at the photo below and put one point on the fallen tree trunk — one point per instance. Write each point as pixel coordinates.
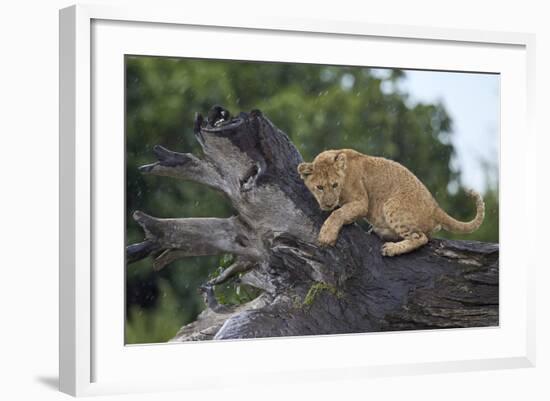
(306, 289)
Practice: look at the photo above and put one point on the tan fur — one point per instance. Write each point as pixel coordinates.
(397, 205)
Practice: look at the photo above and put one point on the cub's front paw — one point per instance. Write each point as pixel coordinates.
(390, 249)
(327, 236)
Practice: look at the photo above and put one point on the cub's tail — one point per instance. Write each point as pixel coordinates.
(460, 227)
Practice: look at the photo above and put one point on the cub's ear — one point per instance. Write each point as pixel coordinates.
(340, 161)
(305, 169)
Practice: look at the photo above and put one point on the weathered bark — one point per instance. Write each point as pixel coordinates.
(306, 289)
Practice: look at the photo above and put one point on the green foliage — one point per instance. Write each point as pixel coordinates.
(155, 325)
(231, 294)
(316, 289)
(319, 107)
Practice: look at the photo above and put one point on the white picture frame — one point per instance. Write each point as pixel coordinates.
(91, 362)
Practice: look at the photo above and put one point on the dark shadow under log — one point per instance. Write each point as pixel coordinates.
(306, 289)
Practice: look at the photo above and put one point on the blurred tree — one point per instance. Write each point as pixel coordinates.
(319, 107)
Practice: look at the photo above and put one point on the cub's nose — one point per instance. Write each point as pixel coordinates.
(327, 208)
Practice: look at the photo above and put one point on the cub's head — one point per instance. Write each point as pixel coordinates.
(325, 177)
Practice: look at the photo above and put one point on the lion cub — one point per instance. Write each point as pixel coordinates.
(397, 205)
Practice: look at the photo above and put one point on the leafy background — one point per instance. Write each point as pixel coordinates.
(319, 107)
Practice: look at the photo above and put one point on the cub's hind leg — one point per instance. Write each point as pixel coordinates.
(385, 234)
(403, 224)
(412, 241)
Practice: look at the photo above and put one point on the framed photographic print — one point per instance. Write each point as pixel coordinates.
(339, 199)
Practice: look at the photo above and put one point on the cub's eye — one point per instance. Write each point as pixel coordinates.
(320, 187)
(334, 185)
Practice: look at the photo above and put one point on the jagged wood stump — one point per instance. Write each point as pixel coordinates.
(306, 289)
